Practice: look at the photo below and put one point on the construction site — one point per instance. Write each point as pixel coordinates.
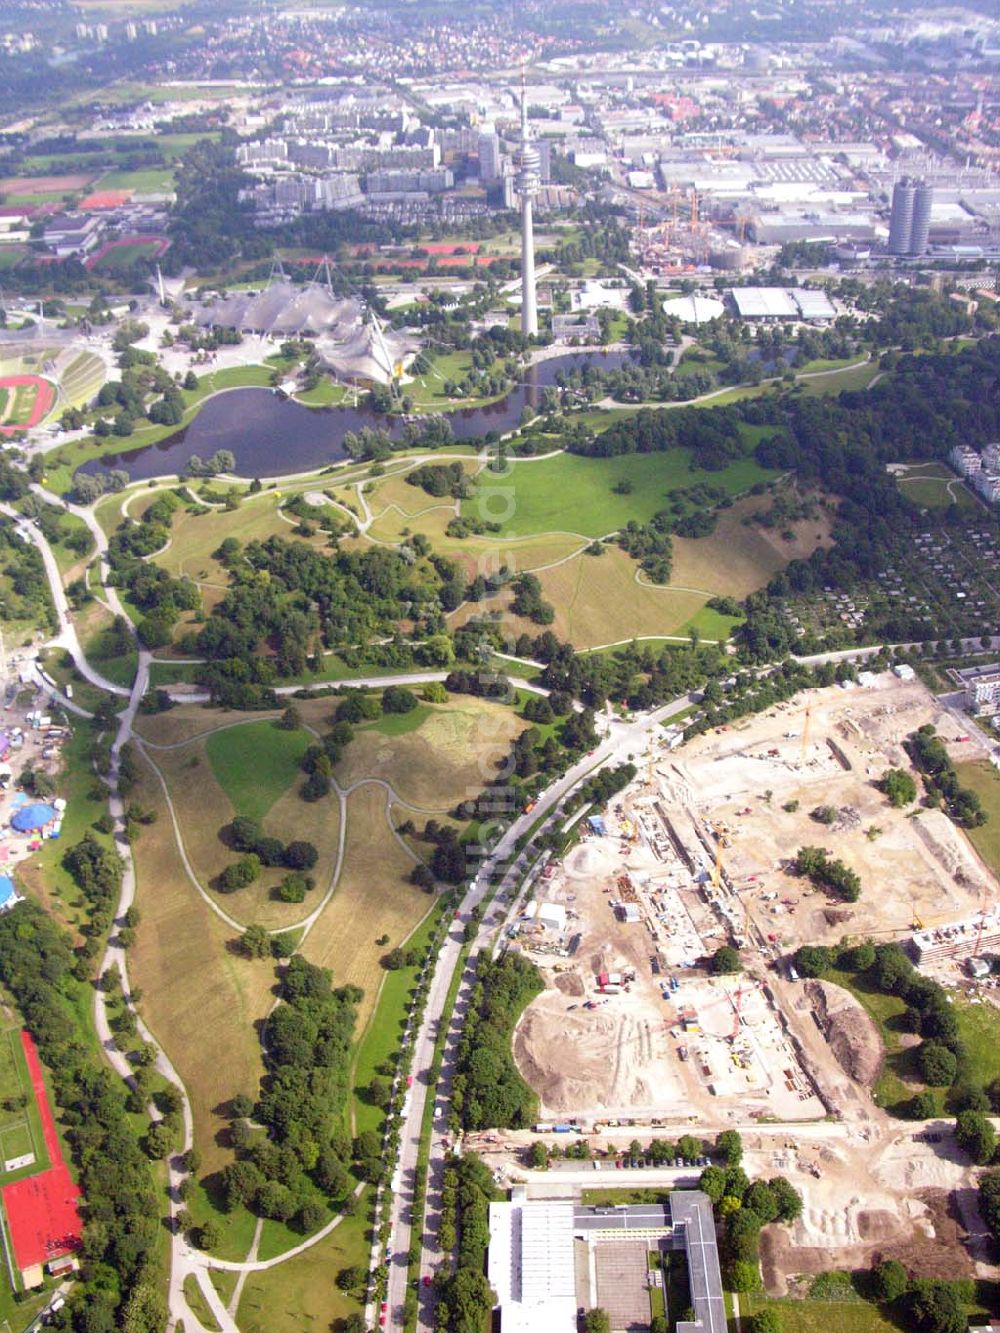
(635, 1038)
(698, 853)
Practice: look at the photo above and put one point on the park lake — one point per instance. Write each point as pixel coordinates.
(271, 436)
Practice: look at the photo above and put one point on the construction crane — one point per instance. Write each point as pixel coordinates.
(737, 1002)
(982, 924)
(916, 923)
(805, 733)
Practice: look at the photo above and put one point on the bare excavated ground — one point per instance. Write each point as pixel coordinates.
(712, 1047)
(705, 841)
(829, 748)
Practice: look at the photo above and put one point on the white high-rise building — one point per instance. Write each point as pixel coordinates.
(490, 163)
(527, 161)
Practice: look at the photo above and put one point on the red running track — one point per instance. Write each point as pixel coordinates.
(42, 1214)
(41, 405)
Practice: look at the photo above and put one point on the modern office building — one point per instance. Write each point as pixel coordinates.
(490, 160)
(910, 219)
(923, 198)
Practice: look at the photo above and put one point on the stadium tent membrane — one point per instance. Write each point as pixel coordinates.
(284, 309)
(371, 355)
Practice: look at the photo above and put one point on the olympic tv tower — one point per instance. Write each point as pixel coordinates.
(527, 183)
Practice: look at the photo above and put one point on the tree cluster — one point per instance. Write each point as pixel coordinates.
(832, 875)
(488, 1091)
(259, 849)
(941, 780)
(302, 1104)
(741, 1209)
(119, 1284)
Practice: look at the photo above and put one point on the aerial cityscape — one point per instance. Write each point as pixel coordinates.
(500, 653)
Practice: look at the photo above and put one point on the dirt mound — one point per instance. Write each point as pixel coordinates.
(837, 916)
(571, 983)
(583, 860)
(585, 1061)
(877, 1224)
(854, 1039)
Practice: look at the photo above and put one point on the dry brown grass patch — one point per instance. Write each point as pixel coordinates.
(200, 999)
(450, 757)
(373, 898)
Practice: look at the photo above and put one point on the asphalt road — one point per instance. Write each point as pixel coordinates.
(623, 739)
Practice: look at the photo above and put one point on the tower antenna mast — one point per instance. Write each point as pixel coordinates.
(528, 163)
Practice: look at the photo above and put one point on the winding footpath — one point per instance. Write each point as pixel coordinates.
(623, 740)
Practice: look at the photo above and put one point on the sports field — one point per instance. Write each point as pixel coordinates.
(152, 180)
(22, 1148)
(45, 185)
(41, 1210)
(27, 400)
(124, 252)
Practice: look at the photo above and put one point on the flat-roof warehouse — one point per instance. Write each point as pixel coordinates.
(781, 303)
(540, 1285)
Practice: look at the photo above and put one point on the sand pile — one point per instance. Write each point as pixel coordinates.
(853, 1037)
